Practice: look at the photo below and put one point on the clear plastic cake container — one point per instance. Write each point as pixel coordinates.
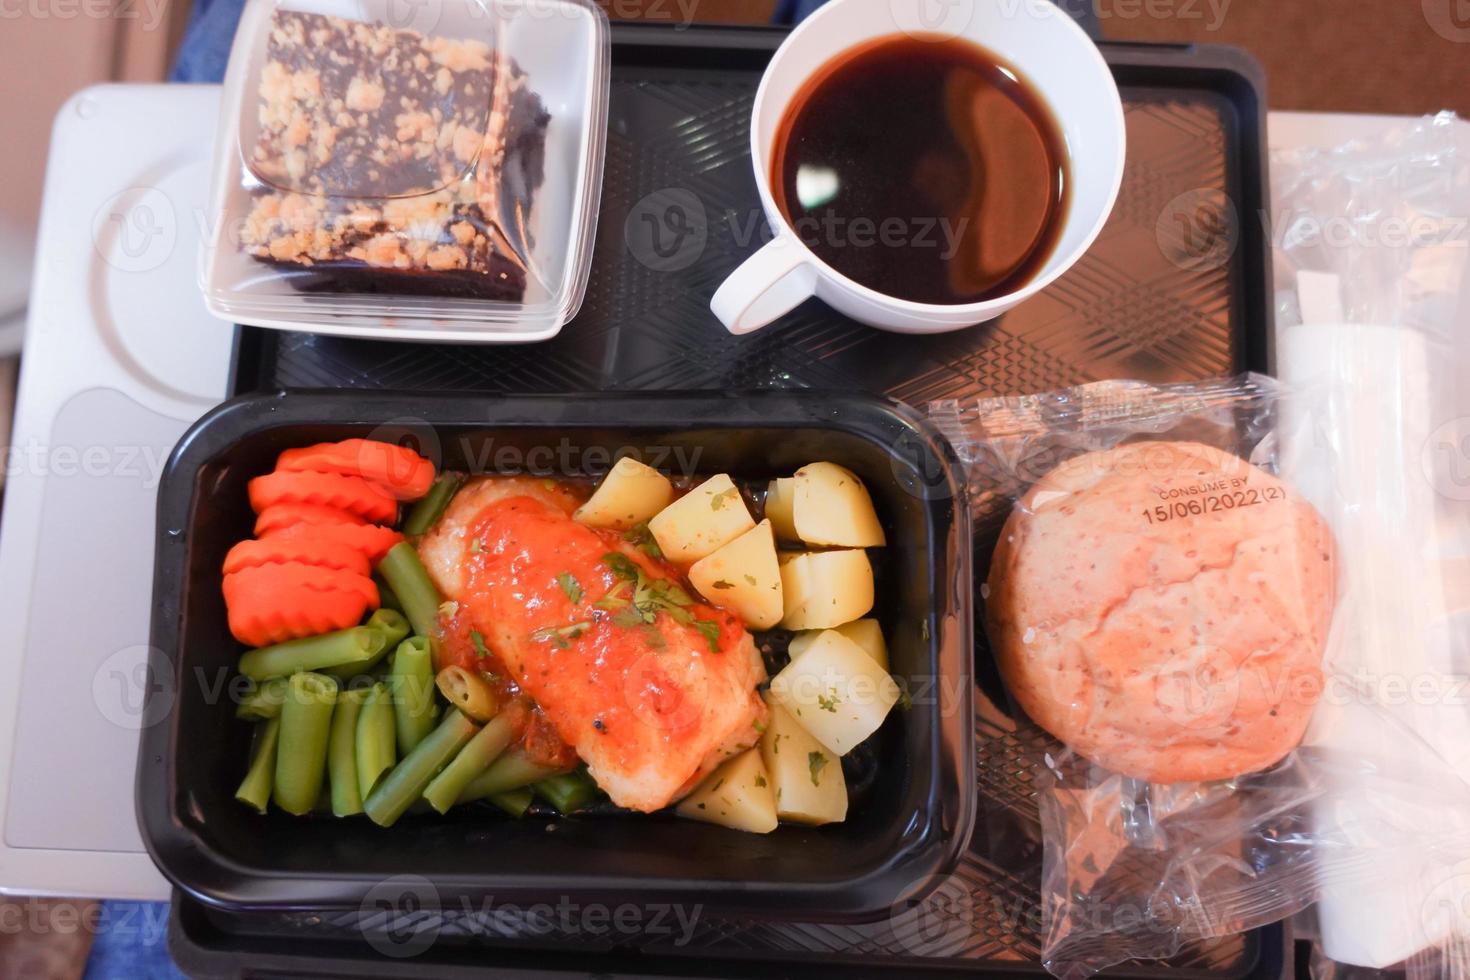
(425, 171)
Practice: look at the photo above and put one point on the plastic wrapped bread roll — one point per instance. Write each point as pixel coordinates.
(1162, 607)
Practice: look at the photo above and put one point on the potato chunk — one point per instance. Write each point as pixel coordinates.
(822, 589)
(743, 577)
(737, 795)
(702, 521)
(866, 633)
(630, 494)
(780, 496)
(835, 691)
(808, 779)
(831, 507)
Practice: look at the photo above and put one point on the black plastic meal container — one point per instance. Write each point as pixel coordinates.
(906, 831)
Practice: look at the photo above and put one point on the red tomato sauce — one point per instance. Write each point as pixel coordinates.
(602, 665)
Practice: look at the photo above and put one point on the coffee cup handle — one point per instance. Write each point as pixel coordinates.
(770, 283)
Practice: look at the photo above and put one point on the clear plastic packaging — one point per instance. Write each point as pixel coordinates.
(1133, 868)
(426, 171)
(1368, 816)
(1375, 339)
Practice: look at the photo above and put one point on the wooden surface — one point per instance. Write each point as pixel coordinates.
(1382, 56)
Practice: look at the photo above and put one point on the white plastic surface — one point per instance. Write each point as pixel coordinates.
(561, 45)
(120, 357)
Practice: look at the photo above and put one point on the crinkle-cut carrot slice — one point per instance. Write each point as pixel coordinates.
(402, 472)
(371, 539)
(304, 549)
(350, 493)
(272, 603)
(278, 516)
(330, 612)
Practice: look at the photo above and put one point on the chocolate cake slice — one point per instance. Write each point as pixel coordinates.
(392, 162)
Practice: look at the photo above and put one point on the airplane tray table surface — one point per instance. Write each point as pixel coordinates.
(1177, 287)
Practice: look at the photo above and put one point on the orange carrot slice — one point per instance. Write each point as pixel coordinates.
(350, 493)
(402, 472)
(272, 603)
(278, 516)
(370, 539)
(316, 552)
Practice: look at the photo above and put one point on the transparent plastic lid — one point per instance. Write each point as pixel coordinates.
(426, 170)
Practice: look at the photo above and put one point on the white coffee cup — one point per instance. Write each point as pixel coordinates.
(1051, 52)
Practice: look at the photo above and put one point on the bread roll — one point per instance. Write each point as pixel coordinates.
(1162, 608)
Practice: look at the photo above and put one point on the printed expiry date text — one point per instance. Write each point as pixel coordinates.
(1213, 503)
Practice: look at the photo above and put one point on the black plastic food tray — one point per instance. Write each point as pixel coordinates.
(911, 785)
(1177, 287)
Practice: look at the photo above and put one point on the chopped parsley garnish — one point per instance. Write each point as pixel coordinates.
(481, 650)
(717, 785)
(666, 591)
(621, 566)
(550, 634)
(722, 584)
(717, 502)
(681, 616)
(750, 579)
(651, 596)
(642, 538)
(710, 630)
(816, 762)
(570, 586)
(616, 598)
(760, 781)
(560, 635)
(829, 702)
(631, 616)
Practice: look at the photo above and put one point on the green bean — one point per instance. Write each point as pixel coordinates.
(301, 753)
(512, 770)
(513, 801)
(255, 790)
(410, 580)
(393, 623)
(568, 791)
(406, 783)
(393, 627)
(342, 753)
(411, 676)
(375, 738)
(430, 508)
(468, 692)
(387, 598)
(474, 758)
(263, 701)
(357, 645)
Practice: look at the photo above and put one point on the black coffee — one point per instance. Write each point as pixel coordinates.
(926, 169)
